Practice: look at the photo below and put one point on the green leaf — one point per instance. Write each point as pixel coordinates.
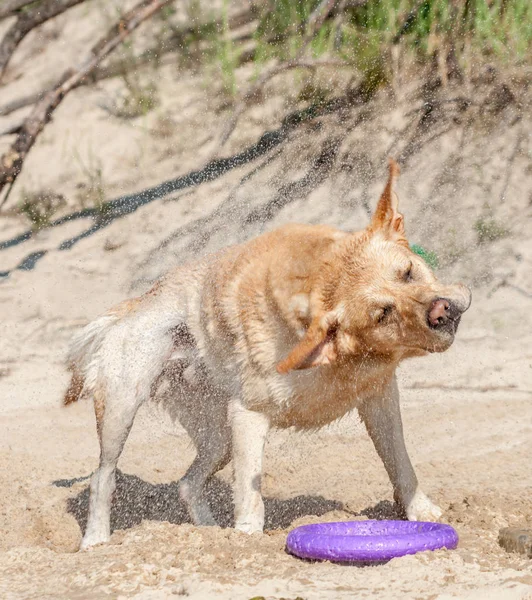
(431, 258)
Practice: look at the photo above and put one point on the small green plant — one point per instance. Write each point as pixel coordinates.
(469, 30)
(431, 258)
(453, 34)
(139, 98)
(227, 55)
(282, 25)
(139, 95)
(489, 230)
(39, 207)
(366, 50)
(91, 192)
(312, 92)
(198, 42)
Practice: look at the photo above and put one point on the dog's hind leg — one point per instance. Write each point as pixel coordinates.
(212, 456)
(130, 358)
(113, 431)
(207, 424)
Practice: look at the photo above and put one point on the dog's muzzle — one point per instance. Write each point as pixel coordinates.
(444, 315)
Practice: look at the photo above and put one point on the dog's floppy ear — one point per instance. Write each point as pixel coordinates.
(316, 348)
(387, 219)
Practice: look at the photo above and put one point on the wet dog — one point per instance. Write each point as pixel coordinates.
(292, 329)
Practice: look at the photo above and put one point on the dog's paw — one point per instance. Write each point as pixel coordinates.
(91, 539)
(197, 507)
(420, 508)
(249, 527)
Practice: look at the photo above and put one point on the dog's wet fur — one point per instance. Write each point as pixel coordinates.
(294, 328)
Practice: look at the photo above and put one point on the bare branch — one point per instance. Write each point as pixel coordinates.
(422, 385)
(505, 283)
(12, 129)
(122, 66)
(28, 21)
(115, 69)
(19, 103)
(12, 161)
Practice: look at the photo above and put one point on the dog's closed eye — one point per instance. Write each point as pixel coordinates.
(385, 313)
(407, 275)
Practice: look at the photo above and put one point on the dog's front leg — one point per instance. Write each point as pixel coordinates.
(249, 430)
(382, 417)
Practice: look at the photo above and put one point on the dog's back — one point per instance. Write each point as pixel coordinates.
(227, 321)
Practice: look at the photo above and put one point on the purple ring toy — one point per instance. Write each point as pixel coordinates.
(367, 541)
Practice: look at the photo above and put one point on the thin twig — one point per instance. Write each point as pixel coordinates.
(28, 21)
(420, 385)
(12, 129)
(512, 286)
(6, 195)
(23, 102)
(463, 102)
(12, 161)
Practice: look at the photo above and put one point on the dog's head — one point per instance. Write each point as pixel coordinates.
(375, 297)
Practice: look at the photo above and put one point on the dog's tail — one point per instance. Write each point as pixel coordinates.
(75, 388)
(82, 357)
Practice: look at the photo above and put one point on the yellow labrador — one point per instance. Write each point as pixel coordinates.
(294, 328)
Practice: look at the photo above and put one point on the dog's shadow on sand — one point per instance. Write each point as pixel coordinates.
(137, 500)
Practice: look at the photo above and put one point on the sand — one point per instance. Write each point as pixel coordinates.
(467, 413)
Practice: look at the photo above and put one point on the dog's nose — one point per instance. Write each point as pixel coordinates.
(442, 311)
(438, 312)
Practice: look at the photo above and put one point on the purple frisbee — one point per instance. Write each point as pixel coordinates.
(367, 541)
